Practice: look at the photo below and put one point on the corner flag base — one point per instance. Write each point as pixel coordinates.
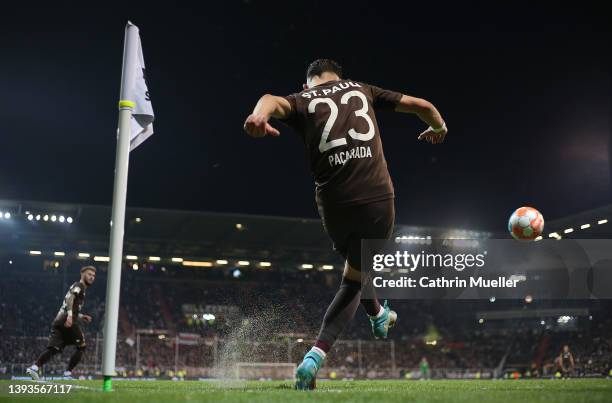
(108, 384)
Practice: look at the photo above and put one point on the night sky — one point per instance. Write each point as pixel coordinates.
(525, 92)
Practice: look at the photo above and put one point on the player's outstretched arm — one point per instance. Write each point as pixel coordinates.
(268, 106)
(428, 113)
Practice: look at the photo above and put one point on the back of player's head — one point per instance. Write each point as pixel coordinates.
(321, 66)
(85, 268)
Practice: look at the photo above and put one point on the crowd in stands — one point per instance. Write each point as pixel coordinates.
(271, 317)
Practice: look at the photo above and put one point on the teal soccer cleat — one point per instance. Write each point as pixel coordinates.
(381, 325)
(306, 373)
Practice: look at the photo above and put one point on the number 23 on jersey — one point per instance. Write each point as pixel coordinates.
(324, 144)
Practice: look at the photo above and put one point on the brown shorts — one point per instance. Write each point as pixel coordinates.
(62, 336)
(348, 225)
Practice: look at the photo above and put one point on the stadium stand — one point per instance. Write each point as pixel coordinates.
(196, 321)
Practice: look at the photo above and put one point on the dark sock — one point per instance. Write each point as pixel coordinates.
(370, 303)
(322, 345)
(339, 313)
(369, 300)
(372, 306)
(74, 359)
(46, 356)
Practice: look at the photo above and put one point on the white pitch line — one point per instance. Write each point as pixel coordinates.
(59, 384)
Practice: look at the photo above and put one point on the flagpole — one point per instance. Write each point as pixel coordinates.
(113, 283)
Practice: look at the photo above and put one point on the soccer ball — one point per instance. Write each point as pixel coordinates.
(526, 224)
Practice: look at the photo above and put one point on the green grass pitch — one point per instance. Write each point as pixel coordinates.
(523, 391)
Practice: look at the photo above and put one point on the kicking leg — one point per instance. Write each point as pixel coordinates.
(380, 218)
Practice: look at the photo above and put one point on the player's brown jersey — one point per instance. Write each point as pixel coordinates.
(337, 123)
(566, 357)
(78, 289)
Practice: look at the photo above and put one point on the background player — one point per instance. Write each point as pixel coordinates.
(354, 193)
(565, 362)
(64, 329)
(424, 368)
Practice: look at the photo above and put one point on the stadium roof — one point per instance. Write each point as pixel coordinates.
(168, 232)
(588, 224)
(157, 232)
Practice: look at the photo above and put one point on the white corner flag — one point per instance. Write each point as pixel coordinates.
(135, 126)
(142, 115)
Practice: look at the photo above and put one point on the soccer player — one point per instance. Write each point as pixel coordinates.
(424, 368)
(566, 362)
(335, 118)
(64, 329)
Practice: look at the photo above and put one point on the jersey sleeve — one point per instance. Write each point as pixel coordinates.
(293, 119)
(384, 99)
(76, 289)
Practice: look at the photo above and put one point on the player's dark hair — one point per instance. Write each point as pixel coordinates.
(84, 269)
(320, 66)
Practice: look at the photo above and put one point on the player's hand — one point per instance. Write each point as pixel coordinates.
(258, 126)
(68, 322)
(86, 318)
(431, 137)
